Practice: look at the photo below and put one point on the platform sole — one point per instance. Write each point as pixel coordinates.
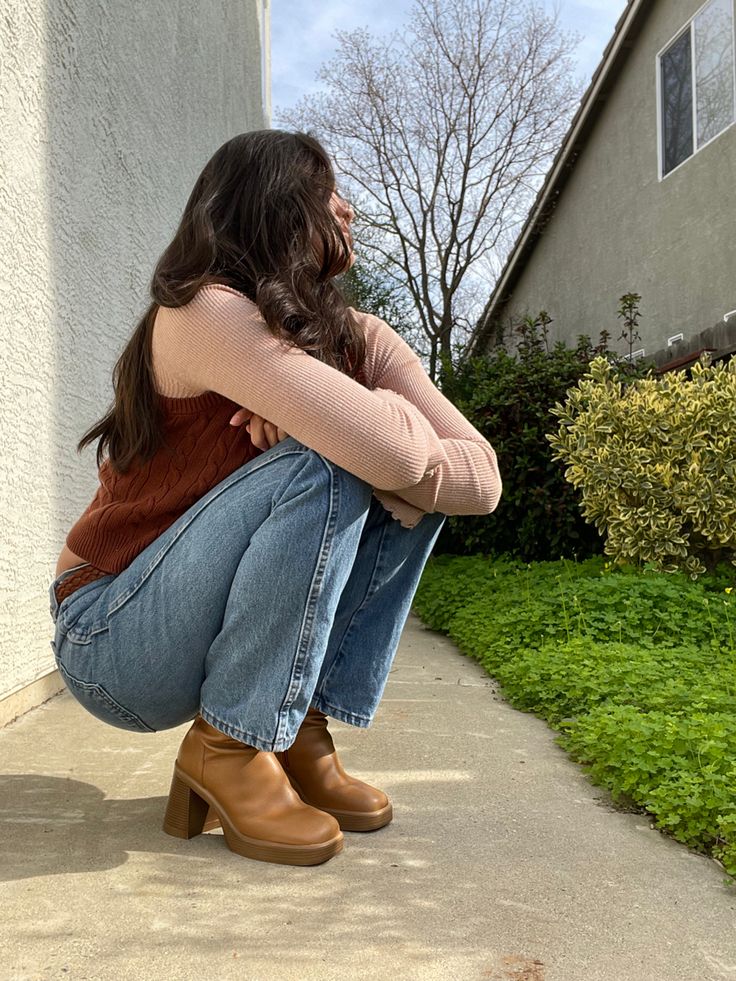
(187, 808)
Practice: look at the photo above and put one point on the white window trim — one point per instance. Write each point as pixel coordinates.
(658, 68)
(634, 356)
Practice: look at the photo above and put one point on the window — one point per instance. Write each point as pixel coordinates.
(696, 84)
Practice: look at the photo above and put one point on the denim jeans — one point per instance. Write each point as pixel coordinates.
(286, 585)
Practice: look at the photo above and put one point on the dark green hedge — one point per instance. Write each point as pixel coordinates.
(508, 399)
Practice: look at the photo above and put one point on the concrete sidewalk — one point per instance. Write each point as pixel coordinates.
(502, 861)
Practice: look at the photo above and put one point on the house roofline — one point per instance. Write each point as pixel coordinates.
(615, 53)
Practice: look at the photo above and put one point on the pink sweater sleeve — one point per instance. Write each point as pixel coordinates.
(468, 481)
(222, 344)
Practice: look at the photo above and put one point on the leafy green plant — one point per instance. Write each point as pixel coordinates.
(655, 463)
(560, 682)
(636, 670)
(508, 397)
(508, 400)
(532, 607)
(628, 311)
(681, 768)
(448, 581)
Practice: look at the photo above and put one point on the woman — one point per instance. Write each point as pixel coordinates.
(257, 582)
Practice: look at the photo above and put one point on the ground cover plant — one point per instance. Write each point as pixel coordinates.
(635, 669)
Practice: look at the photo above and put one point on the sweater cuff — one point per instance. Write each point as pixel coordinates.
(400, 510)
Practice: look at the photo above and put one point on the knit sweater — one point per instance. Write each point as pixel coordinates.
(391, 426)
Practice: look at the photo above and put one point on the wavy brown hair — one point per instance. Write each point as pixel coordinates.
(252, 222)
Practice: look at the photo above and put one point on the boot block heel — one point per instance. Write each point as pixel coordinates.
(185, 811)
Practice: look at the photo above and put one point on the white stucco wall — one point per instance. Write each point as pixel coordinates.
(109, 112)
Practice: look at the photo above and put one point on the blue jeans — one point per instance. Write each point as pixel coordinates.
(286, 585)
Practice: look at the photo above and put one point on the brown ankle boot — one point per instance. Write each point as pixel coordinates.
(262, 816)
(316, 773)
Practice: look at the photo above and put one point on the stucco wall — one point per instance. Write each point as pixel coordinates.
(110, 110)
(617, 228)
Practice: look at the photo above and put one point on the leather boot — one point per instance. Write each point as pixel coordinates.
(261, 814)
(316, 773)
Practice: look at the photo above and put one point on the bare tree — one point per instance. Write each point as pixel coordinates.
(442, 134)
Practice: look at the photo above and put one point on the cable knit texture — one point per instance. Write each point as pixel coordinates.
(391, 427)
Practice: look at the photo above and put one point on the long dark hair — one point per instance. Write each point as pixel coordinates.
(251, 222)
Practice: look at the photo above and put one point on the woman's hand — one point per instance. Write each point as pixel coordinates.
(263, 434)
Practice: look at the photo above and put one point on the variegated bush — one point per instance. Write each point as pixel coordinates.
(655, 460)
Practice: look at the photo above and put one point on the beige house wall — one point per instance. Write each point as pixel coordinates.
(618, 228)
(109, 112)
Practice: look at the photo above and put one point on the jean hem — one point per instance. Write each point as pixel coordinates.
(250, 738)
(362, 721)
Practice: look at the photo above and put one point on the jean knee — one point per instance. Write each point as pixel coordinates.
(328, 473)
(349, 483)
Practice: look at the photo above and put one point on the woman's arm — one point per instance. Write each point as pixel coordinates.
(468, 481)
(220, 343)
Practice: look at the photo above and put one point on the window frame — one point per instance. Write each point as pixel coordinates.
(690, 25)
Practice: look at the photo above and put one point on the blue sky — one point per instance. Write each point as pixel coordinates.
(302, 35)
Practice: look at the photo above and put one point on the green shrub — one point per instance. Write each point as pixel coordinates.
(508, 399)
(656, 463)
